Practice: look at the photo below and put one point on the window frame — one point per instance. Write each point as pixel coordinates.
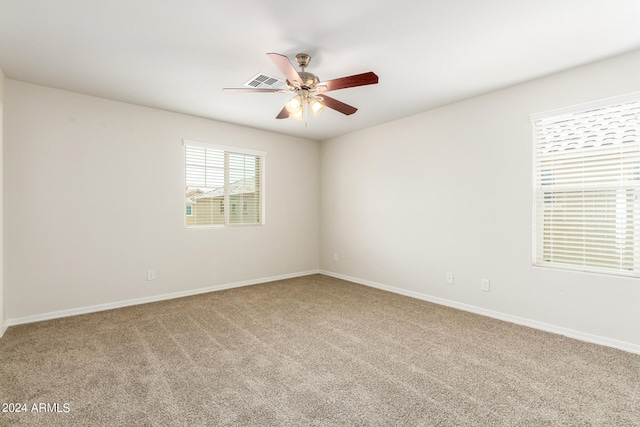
(226, 201)
(538, 234)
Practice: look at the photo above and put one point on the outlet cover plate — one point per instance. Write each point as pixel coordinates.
(450, 278)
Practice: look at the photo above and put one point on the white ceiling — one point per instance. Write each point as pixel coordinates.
(178, 55)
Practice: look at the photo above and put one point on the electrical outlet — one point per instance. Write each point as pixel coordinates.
(450, 278)
(335, 257)
(485, 285)
(151, 275)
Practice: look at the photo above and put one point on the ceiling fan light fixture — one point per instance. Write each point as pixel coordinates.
(294, 105)
(298, 115)
(316, 106)
(304, 86)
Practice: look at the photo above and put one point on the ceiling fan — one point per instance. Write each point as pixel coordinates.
(309, 91)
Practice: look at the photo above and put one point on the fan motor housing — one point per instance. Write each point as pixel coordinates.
(309, 80)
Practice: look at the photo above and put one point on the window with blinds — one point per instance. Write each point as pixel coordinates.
(223, 185)
(587, 187)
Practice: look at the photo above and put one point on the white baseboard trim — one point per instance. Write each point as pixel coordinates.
(571, 333)
(145, 300)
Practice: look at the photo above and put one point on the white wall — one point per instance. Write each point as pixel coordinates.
(451, 190)
(2, 311)
(94, 197)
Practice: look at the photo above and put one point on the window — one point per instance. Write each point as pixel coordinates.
(587, 187)
(218, 176)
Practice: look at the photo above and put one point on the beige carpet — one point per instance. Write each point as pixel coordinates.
(308, 351)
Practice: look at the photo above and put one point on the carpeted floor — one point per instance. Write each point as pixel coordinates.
(308, 351)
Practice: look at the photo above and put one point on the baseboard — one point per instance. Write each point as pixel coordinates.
(571, 333)
(145, 300)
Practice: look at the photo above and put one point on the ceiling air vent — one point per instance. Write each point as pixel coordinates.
(263, 81)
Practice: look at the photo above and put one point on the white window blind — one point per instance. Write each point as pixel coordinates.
(224, 185)
(587, 187)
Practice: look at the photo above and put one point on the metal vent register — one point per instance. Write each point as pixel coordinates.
(264, 81)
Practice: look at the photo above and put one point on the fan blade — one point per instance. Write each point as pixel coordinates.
(284, 114)
(285, 67)
(363, 79)
(337, 105)
(250, 89)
